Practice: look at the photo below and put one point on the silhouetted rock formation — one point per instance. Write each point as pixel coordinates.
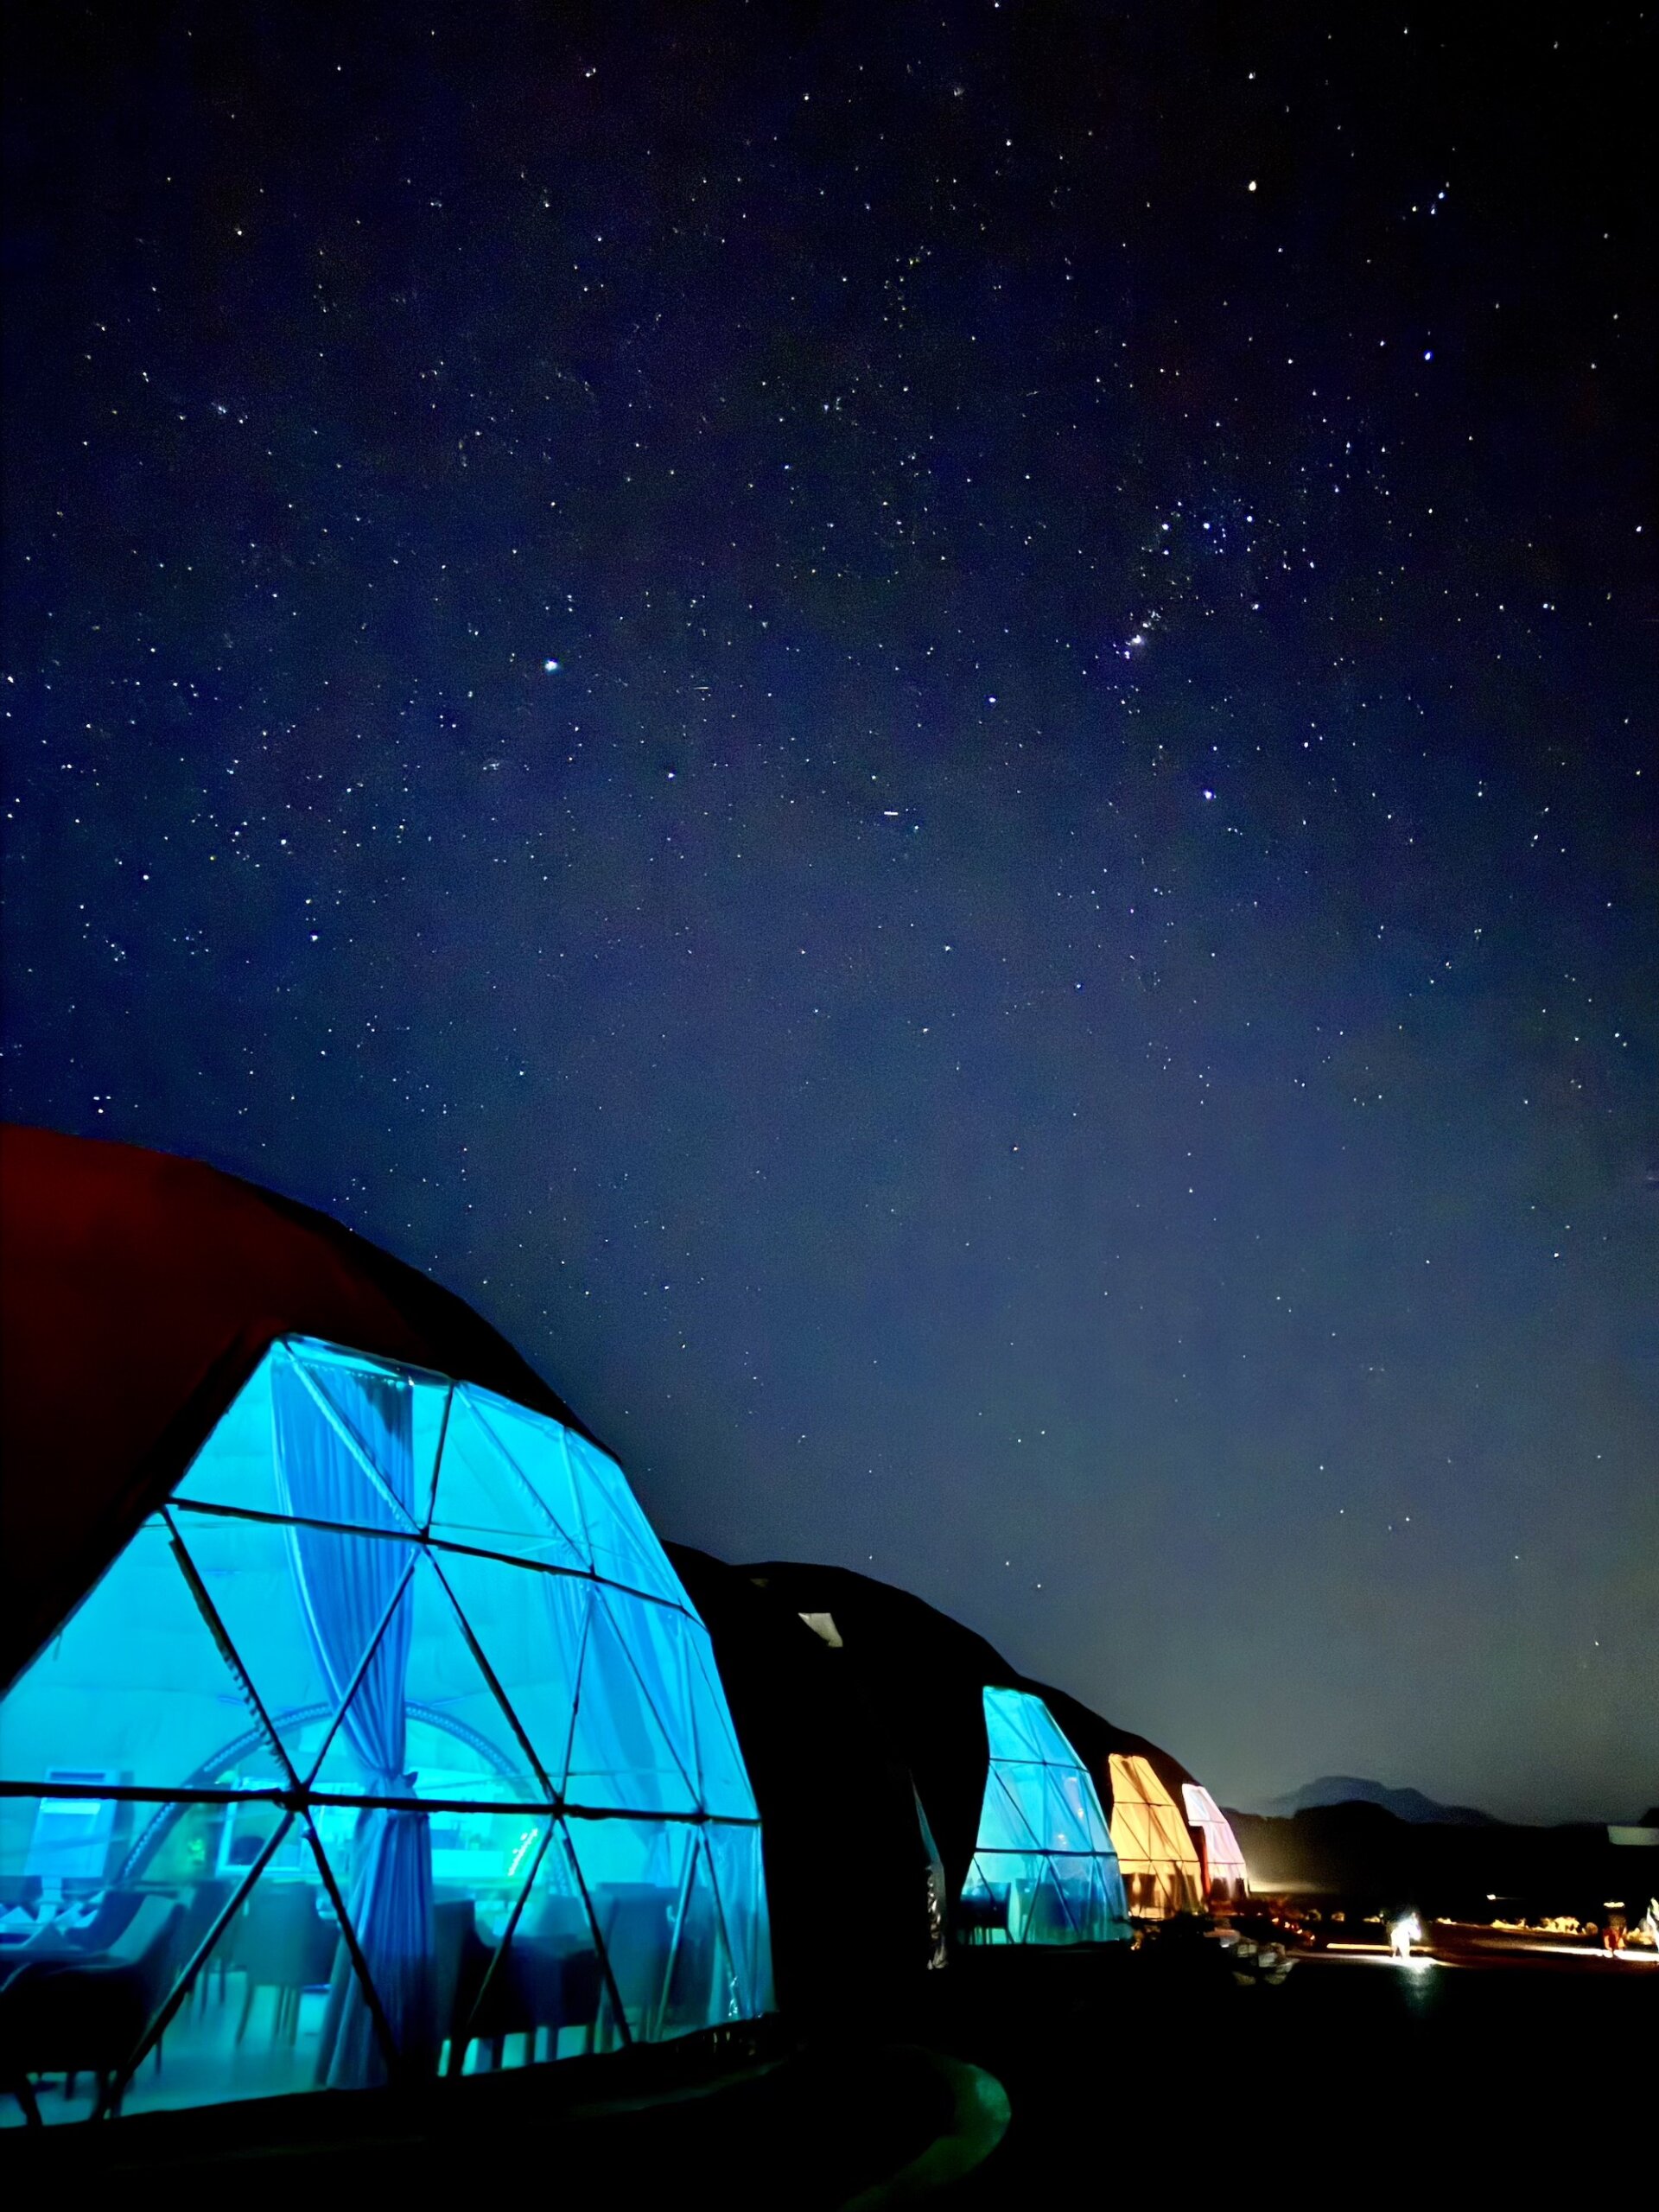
(1353, 1790)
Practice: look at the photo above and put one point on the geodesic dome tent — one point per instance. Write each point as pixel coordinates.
(1044, 1868)
(1226, 1878)
(922, 1677)
(1024, 1849)
(1160, 1860)
(853, 1923)
(355, 1724)
(1159, 1849)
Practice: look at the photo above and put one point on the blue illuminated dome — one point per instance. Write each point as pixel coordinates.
(1044, 1868)
(387, 1743)
(1013, 1779)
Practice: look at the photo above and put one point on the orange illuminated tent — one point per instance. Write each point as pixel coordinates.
(1156, 1853)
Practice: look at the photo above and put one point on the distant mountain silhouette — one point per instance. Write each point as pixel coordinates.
(1408, 1805)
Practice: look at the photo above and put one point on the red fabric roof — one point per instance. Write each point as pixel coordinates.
(137, 1294)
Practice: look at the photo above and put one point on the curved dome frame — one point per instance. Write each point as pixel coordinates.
(1044, 1870)
(369, 1542)
(220, 1762)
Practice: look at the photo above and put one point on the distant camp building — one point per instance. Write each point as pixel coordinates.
(355, 1727)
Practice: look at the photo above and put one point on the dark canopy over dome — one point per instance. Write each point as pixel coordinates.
(847, 1868)
(1095, 1741)
(137, 1294)
(925, 1675)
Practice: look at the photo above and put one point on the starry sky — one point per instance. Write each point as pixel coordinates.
(925, 732)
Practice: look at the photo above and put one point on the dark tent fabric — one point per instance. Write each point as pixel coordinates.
(925, 1674)
(138, 1292)
(847, 1871)
(1095, 1741)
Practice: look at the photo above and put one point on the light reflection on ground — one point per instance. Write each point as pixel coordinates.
(1486, 1952)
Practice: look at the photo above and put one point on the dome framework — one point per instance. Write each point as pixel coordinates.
(356, 1725)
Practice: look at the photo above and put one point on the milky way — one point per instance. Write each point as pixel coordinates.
(927, 734)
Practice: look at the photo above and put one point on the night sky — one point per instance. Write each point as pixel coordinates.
(925, 732)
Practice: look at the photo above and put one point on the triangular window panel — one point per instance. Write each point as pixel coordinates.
(160, 1939)
(722, 1780)
(1037, 1916)
(133, 1689)
(379, 1863)
(424, 1721)
(624, 1550)
(236, 2013)
(330, 1836)
(384, 1870)
(531, 1627)
(621, 1756)
(499, 1979)
(702, 1975)
(397, 1415)
(635, 1874)
(1070, 1827)
(560, 1911)
(319, 1438)
(368, 1395)
(545, 1995)
(1113, 1905)
(462, 1742)
(735, 1855)
(261, 1993)
(653, 1636)
(537, 1448)
(390, 1908)
(1005, 1822)
(494, 1857)
(1069, 1880)
(989, 1890)
(1084, 1801)
(248, 1569)
(236, 1467)
(1045, 1737)
(555, 1911)
(372, 1409)
(358, 1610)
(344, 1444)
(1006, 1733)
(483, 1500)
